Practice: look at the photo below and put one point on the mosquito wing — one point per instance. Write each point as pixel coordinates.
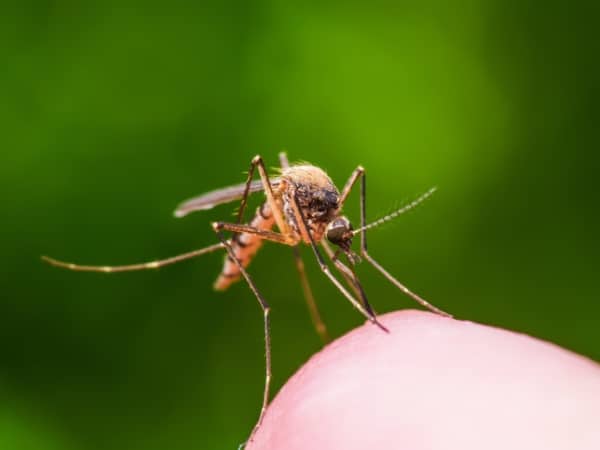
(218, 197)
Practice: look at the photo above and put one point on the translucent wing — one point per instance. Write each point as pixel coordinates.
(218, 197)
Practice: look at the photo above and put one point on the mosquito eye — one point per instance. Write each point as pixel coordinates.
(319, 207)
(335, 235)
(337, 231)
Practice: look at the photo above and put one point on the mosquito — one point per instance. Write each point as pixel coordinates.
(305, 207)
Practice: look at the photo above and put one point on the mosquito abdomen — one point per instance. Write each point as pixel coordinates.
(245, 246)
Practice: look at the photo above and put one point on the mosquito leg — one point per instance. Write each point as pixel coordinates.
(315, 316)
(325, 268)
(265, 308)
(264, 234)
(345, 273)
(355, 303)
(244, 201)
(306, 289)
(351, 278)
(365, 253)
(131, 267)
(356, 174)
(274, 205)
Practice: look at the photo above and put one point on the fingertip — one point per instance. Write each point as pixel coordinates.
(434, 382)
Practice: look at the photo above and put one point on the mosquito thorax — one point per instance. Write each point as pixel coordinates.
(339, 232)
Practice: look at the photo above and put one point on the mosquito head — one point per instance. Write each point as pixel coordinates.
(339, 232)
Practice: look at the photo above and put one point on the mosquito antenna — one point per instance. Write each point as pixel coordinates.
(132, 267)
(396, 213)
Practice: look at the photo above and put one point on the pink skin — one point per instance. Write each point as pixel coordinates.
(436, 383)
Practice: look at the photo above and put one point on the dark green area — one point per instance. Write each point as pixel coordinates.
(112, 114)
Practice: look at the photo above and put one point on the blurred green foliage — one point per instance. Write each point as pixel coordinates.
(113, 113)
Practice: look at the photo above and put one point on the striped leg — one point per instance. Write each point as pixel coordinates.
(264, 234)
(132, 267)
(265, 308)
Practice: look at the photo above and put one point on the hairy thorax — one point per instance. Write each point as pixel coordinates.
(317, 196)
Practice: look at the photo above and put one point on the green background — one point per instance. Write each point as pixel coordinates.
(113, 114)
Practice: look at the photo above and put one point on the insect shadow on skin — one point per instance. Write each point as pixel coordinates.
(305, 206)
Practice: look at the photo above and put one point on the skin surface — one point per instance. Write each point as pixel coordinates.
(436, 383)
